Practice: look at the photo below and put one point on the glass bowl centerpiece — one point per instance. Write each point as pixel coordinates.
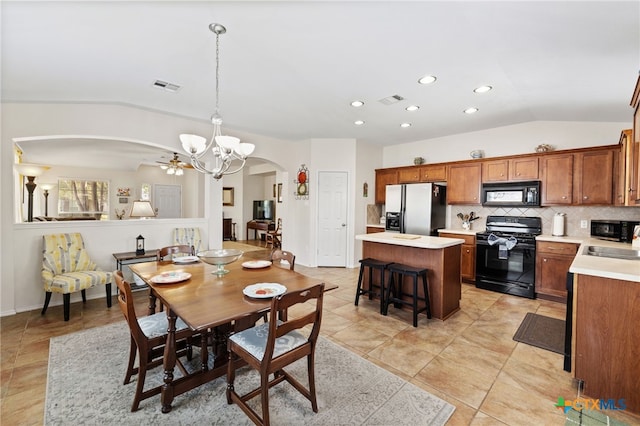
(219, 258)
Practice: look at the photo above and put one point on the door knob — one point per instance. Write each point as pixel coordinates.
(344, 224)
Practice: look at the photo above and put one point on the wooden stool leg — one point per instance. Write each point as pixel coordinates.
(425, 282)
(415, 300)
(359, 288)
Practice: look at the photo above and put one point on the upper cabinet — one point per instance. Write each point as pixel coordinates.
(409, 175)
(463, 183)
(621, 169)
(633, 158)
(556, 174)
(433, 173)
(593, 174)
(525, 168)
(384, 177)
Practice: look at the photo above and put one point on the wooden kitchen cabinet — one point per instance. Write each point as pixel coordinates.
(467, 255)
(605, 339)
(593, 177)
(556, 175)
(464, 183)
(621, 169)
(553, 260)
(409, 175)
(384, 177)
(433, 173)
(510, 169)
(633, 158)
(374, 229)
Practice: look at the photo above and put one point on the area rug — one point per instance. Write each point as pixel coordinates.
(542, 332)
(240, 246)
(86, 370)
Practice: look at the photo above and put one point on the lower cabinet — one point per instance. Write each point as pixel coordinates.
(467, 256)
(553, 260)
(374, 229)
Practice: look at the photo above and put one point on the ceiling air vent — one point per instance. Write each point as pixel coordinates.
(169, 87)
(391, 99)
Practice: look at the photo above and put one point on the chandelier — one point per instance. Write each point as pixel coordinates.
(225, 149)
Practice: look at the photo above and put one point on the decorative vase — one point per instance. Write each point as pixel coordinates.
(418, 160)
(466, 225)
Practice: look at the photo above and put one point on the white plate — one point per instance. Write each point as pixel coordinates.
(256, 264)
(170, 277)
(185, 259)
(270, 290)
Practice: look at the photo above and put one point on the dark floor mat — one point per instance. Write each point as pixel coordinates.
(542, 332)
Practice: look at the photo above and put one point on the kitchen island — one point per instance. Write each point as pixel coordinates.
(604, 317)
(440, 255)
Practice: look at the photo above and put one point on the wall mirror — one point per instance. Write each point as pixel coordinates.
(227, 196)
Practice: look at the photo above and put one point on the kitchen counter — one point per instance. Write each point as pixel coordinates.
(410, 240)
(605, 267)
(374, 225)
(441, 256)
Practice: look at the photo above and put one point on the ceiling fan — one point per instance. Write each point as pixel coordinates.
(174, 166)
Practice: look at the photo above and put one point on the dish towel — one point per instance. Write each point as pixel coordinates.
(505, 244)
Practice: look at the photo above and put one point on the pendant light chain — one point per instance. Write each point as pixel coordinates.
(217, 74)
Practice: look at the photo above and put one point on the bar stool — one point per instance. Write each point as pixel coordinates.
(401, 270)
(372, 264)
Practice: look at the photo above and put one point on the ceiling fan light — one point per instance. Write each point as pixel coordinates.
(179, 171)
(171, 171)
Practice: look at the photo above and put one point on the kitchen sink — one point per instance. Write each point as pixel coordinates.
(613, 252)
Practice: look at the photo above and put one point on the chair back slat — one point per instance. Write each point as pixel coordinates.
(125, 301)
(172, 250)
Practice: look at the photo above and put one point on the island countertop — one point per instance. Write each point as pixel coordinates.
(410, 240)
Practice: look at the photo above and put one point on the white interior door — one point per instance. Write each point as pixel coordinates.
(332, 218)
(167, 200)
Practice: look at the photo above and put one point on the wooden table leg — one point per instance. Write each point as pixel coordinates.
(169, 363)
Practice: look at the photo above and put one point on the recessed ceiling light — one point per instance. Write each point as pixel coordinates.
(412, 108)
(405, 125)
(358, 122)
(471, 110)
(427, 79)
(357, 104)
(482, 89)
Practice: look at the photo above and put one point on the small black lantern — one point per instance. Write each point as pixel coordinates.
(139, 245)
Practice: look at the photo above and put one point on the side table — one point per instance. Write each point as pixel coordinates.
(130, 257)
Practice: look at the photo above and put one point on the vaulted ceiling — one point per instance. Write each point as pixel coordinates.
(290, 69)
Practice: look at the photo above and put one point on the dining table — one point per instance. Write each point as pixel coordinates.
(206, 302)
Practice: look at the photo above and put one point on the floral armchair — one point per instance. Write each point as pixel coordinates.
(188, 237)
(67, 268)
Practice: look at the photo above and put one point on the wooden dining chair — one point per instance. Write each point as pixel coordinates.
(173, 250)
(277, 257)
(148, 338)
(271, 346)
(273, 237)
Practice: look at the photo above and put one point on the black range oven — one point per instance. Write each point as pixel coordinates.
(506, 255)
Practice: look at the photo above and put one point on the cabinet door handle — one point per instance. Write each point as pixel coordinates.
(544, 260)
(585, 197)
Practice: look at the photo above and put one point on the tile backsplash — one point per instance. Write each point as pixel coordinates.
(572, 225)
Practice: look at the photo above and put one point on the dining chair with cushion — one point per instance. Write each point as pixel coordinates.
(67, 268)
(148, 338)
(271, 346)
(273, 238)
(171, 251)
(188, 237)
(278, 256)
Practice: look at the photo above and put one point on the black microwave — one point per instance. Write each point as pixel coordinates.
(511, 194)
(613, 230)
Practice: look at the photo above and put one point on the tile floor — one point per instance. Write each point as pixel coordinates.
(470, 360)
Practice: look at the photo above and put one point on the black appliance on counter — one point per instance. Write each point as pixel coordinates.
(613, 230)
(506, 255)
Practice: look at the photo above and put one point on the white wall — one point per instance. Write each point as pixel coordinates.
(20, 264)
(508, 140)
(368, 159)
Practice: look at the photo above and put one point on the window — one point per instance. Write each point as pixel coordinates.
(78, 197)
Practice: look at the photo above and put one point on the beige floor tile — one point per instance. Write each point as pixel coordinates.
(471, 356)
(361, 337)
(452, 378)
(402, 356)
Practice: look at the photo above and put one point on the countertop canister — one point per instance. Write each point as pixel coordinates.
(558, 225)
